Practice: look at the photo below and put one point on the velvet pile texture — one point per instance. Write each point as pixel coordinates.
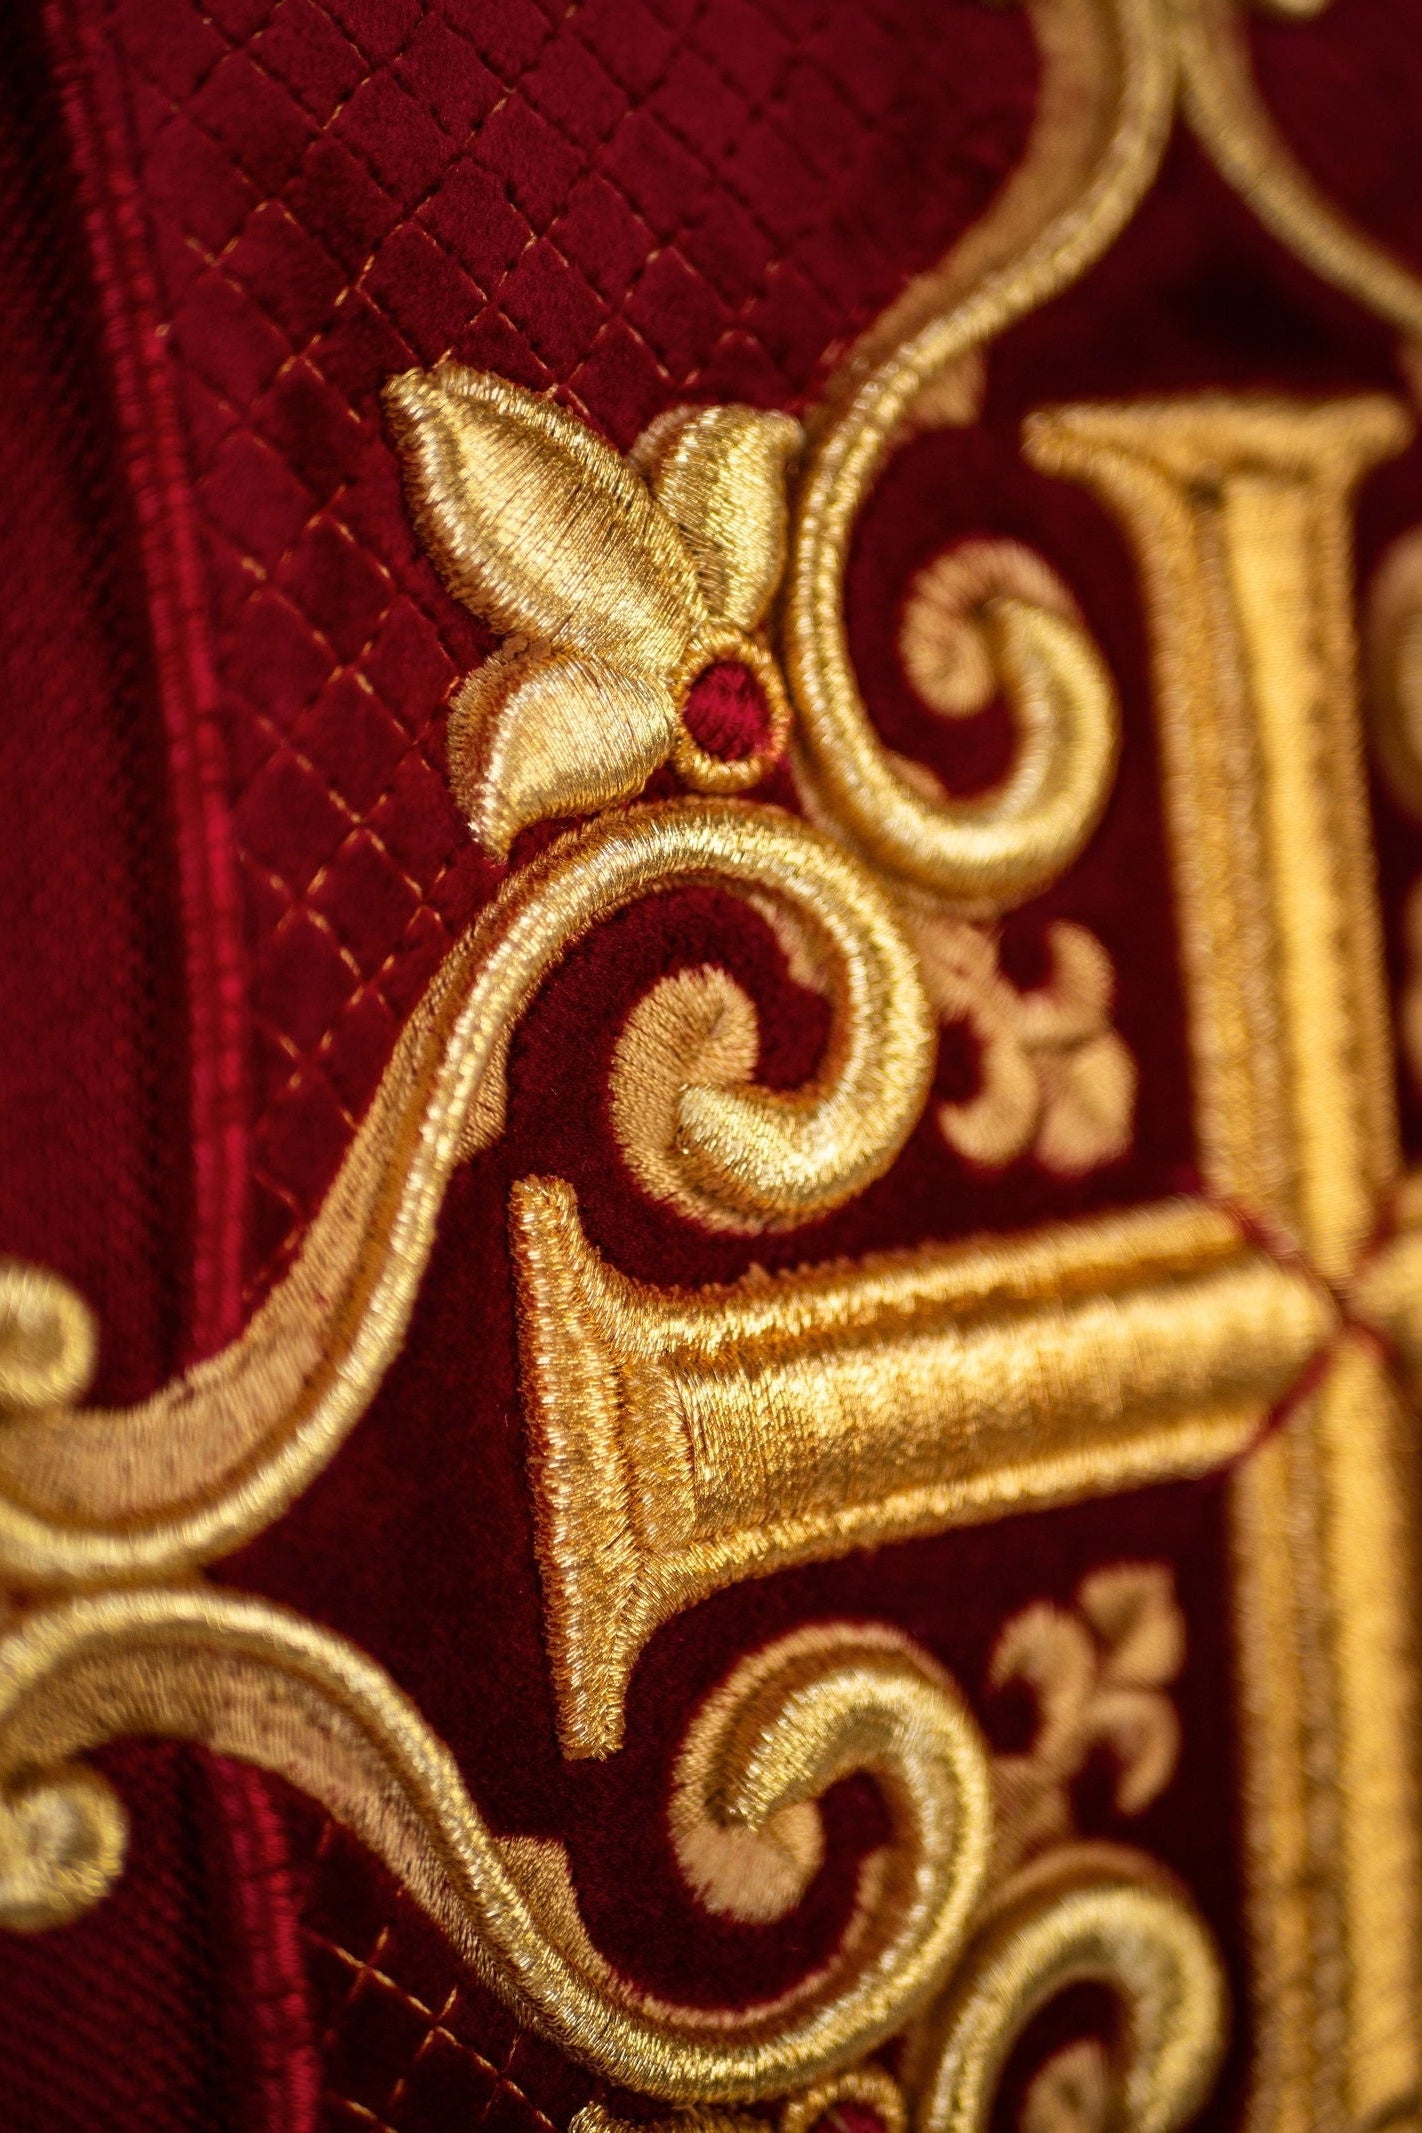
(230, 862)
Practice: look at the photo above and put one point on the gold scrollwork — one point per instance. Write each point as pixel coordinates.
(1089, 1913)
(90, 1494)
(868, 2085)
(1094, 151)
(252, 1680)
(746, 1861)
(1229, 117)
(1240, 511)
(1159, 1340)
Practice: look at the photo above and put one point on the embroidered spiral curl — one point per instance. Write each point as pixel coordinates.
(248, 1679)
(1066, 203)
(1089, 1913)
(86, 1494)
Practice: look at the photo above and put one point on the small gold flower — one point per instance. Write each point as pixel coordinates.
(615, 582)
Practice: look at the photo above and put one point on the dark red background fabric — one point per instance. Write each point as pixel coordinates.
(230, 863)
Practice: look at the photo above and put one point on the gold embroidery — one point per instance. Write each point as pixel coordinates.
(946, 639)
(1072, 2092)
(1098, 1677)
(1239, 512)
(614, 598)
(861, 2084)
(1054, 1076)
(1235, 130)
(719, 472)
(749, 1863)
(1394, 666)
(694, 1029)
(48, 1340)
(1094, 1913)
(92, 1494)
(802, 2113)
(1394, 647)
(679, 1442)
(249, 1679)
(1081, 180)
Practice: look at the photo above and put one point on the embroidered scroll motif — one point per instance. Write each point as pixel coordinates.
(1063, 1910)
(679, 1442)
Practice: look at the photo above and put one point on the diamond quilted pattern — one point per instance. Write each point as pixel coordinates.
(407, 2044)
(633, 201)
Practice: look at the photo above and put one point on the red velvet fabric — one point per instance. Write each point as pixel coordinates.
(230, 862)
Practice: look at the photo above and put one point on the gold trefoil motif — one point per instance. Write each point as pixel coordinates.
(679, 1442)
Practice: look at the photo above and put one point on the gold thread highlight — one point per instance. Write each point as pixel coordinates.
(87, 1495)
(1088, 1913)
(1055, 1078)
(1104, 112)
(613, 595)
(248, 1679)
(1240, 513)
(681, 1441)
(1234, 127)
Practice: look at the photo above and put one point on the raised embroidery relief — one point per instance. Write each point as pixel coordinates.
(680, 1441)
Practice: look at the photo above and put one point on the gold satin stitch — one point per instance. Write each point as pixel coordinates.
(615, 584)
(680, 1441)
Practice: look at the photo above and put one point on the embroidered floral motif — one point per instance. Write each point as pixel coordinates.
(1124, 1349)
(613, 594)
(1054, 1076)
(1098, 1677)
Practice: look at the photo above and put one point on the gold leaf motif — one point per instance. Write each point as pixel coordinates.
(538, 526)
(533, 734)
(1054, 1077)
(1098, 1677)
(613, 603)
(720, 474)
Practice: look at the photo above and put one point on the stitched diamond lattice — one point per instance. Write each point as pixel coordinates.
(636, 204)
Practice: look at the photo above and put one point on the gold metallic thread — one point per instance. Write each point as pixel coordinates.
(945, 637)
(1103, 115)
(92, 1494)
(1055, 1078)
(1087, 1913)
(1240, 514)
(807, 2109)
(249, 1679)
(1099, 1676)
(1071, 2092)
(1394, 667)
(1227, 113)
(614, 595)
(680, 1441)
(615, 591)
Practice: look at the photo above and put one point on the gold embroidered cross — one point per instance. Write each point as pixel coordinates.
(681, 1442)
